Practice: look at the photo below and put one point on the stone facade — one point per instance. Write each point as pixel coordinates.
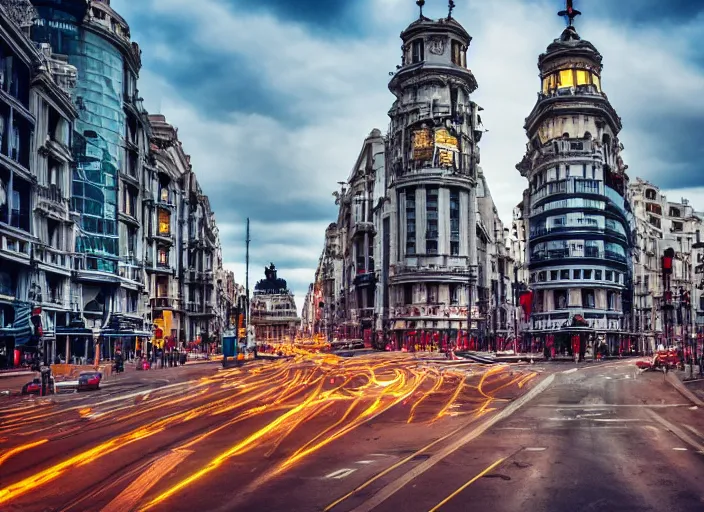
(668, 309)
(417, 230)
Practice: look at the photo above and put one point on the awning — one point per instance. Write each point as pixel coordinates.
(128, 334)
(72, 331)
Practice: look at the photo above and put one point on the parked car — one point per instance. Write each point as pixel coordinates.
(89, 380)
(32, 388)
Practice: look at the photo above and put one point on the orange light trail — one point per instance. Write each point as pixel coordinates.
(271, 402)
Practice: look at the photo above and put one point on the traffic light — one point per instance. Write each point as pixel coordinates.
(668, 257)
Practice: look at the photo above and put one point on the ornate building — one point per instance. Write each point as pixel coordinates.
(665, 302)
(427, 229)
(37, 230)
(580, 226)
(273, 312)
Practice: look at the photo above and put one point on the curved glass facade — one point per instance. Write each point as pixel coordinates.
(98, 132)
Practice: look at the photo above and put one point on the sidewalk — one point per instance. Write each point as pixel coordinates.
(12, 384)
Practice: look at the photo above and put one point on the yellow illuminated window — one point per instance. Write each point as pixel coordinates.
(164, 222)
(566, 78)
(583, 77)
(549, 83)
(596, 82)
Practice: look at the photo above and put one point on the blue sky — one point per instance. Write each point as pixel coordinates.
(273, 99)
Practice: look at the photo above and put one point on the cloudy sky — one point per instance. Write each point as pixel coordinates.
(273, 99)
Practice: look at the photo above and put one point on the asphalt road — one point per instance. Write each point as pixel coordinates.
(380, 432)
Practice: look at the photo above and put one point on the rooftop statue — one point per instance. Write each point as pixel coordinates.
(271, 283)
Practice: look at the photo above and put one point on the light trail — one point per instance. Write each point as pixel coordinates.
(273, 405)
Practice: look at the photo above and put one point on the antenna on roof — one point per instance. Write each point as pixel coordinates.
(570, 12)
(420, 3)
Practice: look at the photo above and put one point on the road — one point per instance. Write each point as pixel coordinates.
(380, 432)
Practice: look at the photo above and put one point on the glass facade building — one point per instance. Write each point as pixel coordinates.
(98, 149)
(579, 217)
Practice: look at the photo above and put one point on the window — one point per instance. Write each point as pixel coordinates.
(410, 221)
(542, 276)
(454, 222)
(164, 195)
(609, 275)
(597, 275)
(408, 294)
(164, 222)
(553, 275)
(457, 53)
(432, 297)
(560, 299)
(431, 235)
(163, 257)
(611, 300)
(576, 274)
(587, 274)
(564, 274)
(417, 51)
(588, 300)
(455, 294)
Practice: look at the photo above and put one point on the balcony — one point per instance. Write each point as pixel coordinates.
(200, 309)
(131, 271)
(161, 303)
(165, 237)
(360, 228)
(567, 186)
(53, 259)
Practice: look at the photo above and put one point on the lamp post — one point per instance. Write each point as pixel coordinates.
(471, 280)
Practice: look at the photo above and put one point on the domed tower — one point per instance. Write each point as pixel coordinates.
(432, 161)
(580, 221)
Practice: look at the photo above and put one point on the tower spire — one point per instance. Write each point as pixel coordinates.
(420, 3)
(570, 12)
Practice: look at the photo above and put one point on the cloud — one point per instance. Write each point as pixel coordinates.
(273, 99)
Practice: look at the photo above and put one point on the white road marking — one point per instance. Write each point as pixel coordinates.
(390, 489)
(570, 371)
(365, 462)
(684, 436)
(694, 431)
(535, 449)
(340, 473)
(609, 406)
(592, 415)
(618, 420)
(680, 449)
(378, 455)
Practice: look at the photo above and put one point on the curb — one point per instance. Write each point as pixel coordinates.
(679, 386)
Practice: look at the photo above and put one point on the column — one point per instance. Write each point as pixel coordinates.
(444, 221)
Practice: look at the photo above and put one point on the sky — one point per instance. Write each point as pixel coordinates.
(273, 99)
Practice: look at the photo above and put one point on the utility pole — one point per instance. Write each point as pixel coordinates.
(246, 285)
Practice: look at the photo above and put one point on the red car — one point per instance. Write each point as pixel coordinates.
(32, 388)
(89, 380)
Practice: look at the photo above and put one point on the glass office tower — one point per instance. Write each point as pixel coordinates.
(98, 131)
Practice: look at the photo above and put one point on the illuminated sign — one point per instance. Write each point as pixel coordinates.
(422, 142)
(447, 146)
